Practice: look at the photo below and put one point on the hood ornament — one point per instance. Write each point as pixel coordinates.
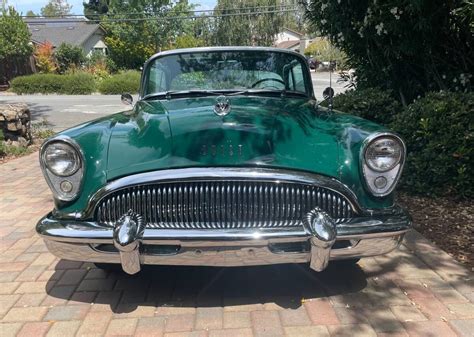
(222, 107)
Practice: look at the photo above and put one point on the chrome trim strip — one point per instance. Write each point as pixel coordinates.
(221, 49)
(220, 173)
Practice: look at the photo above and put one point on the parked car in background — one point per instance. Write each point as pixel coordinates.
(313, 63)
(226, 159)
(328, 65)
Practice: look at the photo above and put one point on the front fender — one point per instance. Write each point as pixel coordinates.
(93, 138)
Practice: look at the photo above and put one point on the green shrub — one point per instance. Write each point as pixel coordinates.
(68, 56)
(439, 132)
(76, 83)
(409, 47)
(372, 104)
(126, 82)
(97, 58)
(2, 145)
(41, 130)
(37, 83)
(12, 150)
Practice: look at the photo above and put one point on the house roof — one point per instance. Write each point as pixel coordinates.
(288, 44)
(59, 31)
(293, 31)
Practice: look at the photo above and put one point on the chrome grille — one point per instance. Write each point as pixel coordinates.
(222, 204)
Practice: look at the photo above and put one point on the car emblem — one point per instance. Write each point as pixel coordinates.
(222, 107)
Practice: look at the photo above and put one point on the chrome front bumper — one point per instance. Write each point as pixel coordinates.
(356, 238)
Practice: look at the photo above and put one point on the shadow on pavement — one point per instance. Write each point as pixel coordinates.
(38, 111)
(172, 286)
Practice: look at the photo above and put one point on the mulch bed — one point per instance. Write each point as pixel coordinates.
(447, 222)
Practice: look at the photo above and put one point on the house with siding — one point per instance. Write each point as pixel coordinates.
(82, 33)
(292, 40)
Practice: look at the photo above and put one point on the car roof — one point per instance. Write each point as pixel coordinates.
(222, 49)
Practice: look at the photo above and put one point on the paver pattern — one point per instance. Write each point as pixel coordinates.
(417, 290)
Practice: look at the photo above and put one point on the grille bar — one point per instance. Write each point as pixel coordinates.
(222, 204)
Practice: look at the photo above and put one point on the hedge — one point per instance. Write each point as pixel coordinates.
(126, 82)
(439, 132)
(70, 84)
(373, 104)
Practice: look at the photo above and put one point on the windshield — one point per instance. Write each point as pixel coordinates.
(227, 71)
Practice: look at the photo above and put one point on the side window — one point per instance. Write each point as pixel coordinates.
(157, 79)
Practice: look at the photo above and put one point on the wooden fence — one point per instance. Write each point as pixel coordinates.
(13, 67)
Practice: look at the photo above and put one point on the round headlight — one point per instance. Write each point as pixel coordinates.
(383, 154)
(61, 159)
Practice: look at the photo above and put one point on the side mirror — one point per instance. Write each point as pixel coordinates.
(328, 93)
(126, 99)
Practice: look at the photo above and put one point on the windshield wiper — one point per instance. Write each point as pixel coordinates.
(226, 92)
(282, 93)
(168, 94)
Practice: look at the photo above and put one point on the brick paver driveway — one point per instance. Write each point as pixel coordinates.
(418, 290)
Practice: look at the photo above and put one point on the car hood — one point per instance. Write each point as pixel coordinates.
(289, 133)
(284, 132)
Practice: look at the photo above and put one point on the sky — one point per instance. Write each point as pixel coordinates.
(35, 5)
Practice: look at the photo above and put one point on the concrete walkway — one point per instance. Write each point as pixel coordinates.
(418, 290)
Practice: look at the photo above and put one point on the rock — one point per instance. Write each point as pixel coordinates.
(20, 141)
(15, 122)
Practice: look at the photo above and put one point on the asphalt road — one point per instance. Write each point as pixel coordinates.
(321, 81)
(64, 111)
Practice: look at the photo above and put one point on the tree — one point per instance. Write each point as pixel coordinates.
(204, 28)
(157, 26)
(68, 56)
(14, 35)
(95, 8)
(99, 64)
(295, 19)
(409, 47)
(56, 8)
(44, 58)
(323, 51)
(31, 14)
(185, 41)
(127, 54)
(247, 29)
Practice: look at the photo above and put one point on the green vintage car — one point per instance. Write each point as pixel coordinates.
(226, 159)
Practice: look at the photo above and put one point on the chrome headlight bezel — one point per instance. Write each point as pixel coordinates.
(373, 143)
(64, 147)
(390, 175)
(65, 187)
